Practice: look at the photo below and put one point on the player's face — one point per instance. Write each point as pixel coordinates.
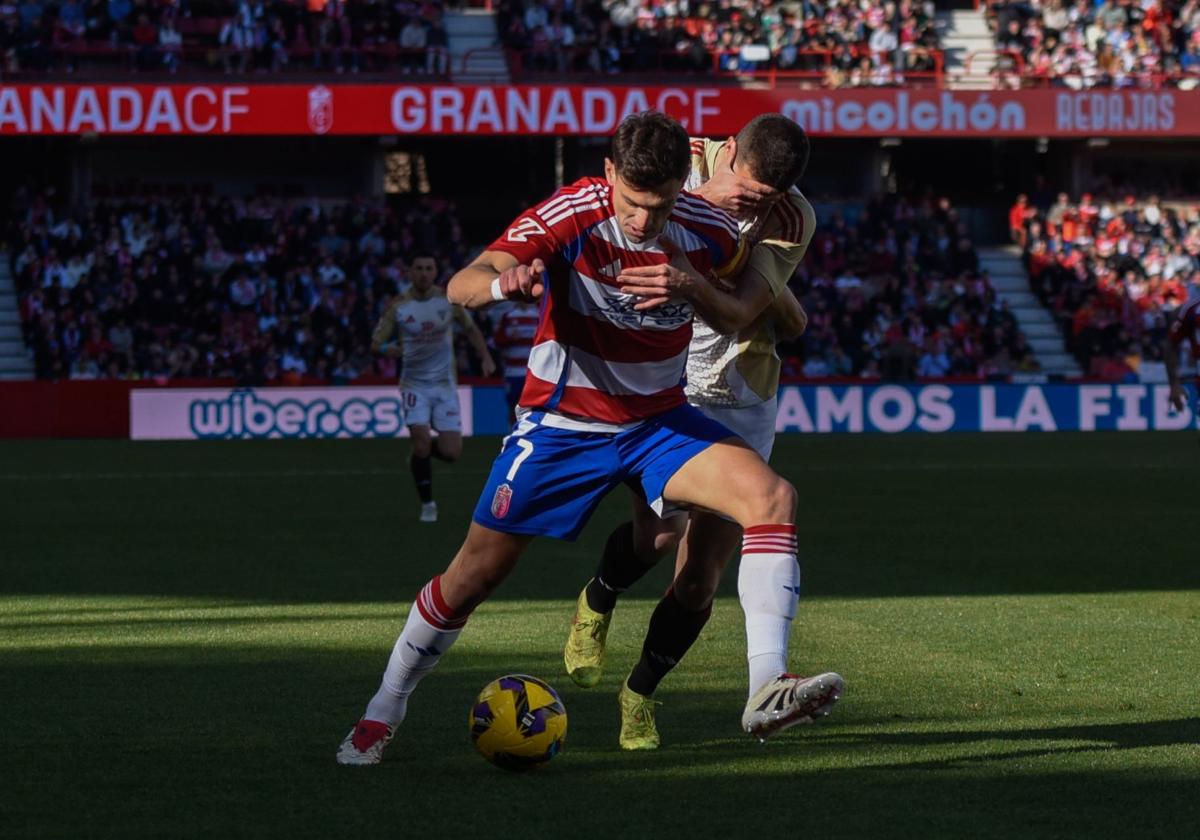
(642, 213)
(422, 273)
(742, 169)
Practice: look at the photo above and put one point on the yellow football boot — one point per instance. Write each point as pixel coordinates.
(638, 731)
(584, 653)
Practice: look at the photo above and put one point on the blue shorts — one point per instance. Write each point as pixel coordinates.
(547, 481)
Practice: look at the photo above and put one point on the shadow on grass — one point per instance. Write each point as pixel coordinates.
(239, 741)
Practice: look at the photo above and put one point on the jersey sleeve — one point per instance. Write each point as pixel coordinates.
(544, 229)
(784, 245)
(730, 261)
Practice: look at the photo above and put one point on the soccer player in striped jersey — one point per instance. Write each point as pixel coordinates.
(1185, 327)
(513, 334)
(417, 327)
(603, 403)
(733, 376)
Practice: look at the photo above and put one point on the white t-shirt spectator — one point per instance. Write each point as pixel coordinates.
(243, 292)
(883, 40)
(412, 36)
(816, 367)
(330, 274)
(933, 365)
(293, 361)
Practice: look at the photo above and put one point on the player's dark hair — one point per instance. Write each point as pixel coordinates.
(776, 150)
(421, 254)
(650, 149)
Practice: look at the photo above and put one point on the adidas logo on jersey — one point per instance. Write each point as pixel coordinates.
(612, 269)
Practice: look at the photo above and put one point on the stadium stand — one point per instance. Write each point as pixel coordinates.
(258, 290)
(1112, 43)
(898, 294)
(267, 290)
(829, 42)
(82, 36)
(1112, 271)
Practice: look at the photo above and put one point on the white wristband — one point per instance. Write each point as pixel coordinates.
(497, 294)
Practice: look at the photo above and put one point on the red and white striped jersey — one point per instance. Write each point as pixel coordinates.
(513, 336)
(1186, 327)
(594, 356)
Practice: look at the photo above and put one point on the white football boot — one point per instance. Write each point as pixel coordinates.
(429, 512)
(364, 745)
(788, 700)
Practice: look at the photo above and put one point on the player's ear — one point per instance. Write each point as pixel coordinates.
(610, 171)
(730, 151)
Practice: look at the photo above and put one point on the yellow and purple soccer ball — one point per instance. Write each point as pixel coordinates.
(518, 722)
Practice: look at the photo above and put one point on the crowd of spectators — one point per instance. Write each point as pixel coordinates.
(1108, 43)
(259, 290)
(1112, 271)
(834, 42)
(233, 35)
(897, 293)
(267, 290)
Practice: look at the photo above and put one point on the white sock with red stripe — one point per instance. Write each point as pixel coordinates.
(430, 630)
(769, 589)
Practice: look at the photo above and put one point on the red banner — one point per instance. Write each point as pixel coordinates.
(584, 110)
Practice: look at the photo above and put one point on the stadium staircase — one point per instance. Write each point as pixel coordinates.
(969, 49)
(14, 360)
(474, 56)
(1011, 283)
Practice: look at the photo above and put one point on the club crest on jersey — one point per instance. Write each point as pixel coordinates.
(525, 228)
(502, 501)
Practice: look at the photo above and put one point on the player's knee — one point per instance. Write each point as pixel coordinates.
(775, 503)
(659, 546)
(421, 446)
(449, 450)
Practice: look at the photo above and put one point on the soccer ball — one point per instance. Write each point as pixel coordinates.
(518, 722)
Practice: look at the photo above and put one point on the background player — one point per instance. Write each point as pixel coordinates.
(418, 328)
(1185, 327)
(734, 379)
(603, 402)
(515, 326)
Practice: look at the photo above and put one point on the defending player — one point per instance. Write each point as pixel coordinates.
(603, 402)
(1185, 327)
(418, 328)
(733, 376)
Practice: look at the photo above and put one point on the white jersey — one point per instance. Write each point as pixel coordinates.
(425, 328)
(743, 370)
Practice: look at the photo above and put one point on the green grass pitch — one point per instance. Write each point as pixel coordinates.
(187, 630)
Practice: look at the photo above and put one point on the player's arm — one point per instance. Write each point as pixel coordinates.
(381, 337)
(725, 312)
(1171, 358)
(475, 337)
(788, 315)
(513, 267)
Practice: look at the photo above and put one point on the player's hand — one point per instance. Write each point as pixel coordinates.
(736, 195)
(658, 284)
(487, 365)
(524, 282)
(1178, 398)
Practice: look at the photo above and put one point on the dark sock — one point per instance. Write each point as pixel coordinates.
(620, 568)
(422, 470)
(673, 629)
